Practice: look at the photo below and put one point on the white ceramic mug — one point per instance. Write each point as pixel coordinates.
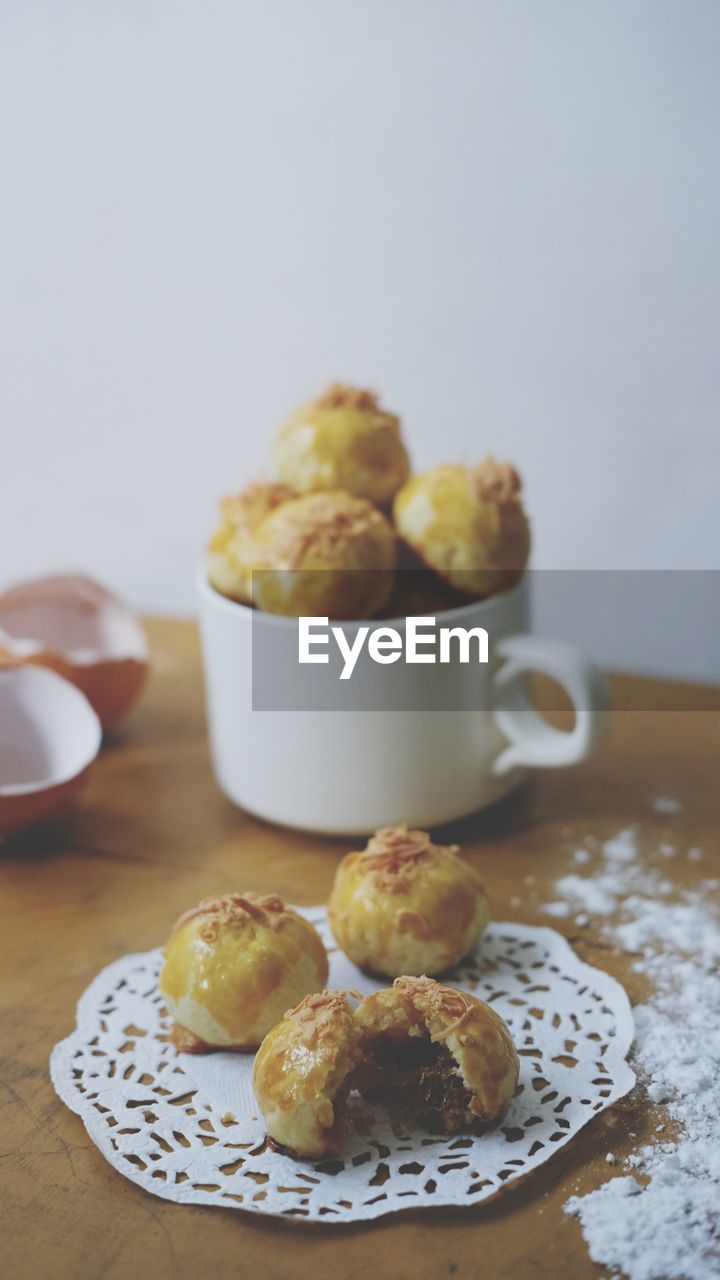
(349, 772)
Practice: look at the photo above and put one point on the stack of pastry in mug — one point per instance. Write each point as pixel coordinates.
(403, 908)
(331, 535)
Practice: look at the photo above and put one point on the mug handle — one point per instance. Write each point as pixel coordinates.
(532, 742)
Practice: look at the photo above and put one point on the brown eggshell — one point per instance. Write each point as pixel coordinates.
(79, 629)
(49, 738)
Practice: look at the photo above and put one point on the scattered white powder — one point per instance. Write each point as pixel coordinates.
(622, 848)
(695, 855)
(666, 849)
(557, 908)
(680, 927)
(666, 804)
(621, 1187)
(582, 920)
(665, 1226)
(596, 895)
(581, 857)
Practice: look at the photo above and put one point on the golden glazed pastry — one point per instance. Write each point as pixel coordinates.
(406, 905)
(324, 555)
(233, 965)
(302, 1075)
(233, 553)
(438, 1057)
(343, 440)
(468, 524)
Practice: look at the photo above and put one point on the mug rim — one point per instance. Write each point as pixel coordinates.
(236, 608)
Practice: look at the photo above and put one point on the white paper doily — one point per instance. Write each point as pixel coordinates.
(188, 1128)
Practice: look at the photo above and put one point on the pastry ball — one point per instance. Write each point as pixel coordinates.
(324, 555)
(232, 967)
(468, 524)
(232, 553)
(343, 440)
(406, 905)
(436, 1057)
(303, 1072)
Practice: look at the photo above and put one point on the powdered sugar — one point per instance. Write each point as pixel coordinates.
(680, 927)
(667, 805)
(557, 909)
(597, 895)
(622, 848)
(664, 1224)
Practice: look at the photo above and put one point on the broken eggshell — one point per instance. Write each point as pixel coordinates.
(49, 738)
(79, 629)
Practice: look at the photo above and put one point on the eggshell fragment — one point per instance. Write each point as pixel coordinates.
(49, 737)
(79, 629)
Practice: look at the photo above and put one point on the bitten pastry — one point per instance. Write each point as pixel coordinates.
(233, 552)
(302, 1075)
(343, 440)
(468, 524)
(437, 1057)
(405, 905)
(324, 555)
(233, 965)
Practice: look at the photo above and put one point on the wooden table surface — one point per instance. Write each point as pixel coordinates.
(153, 836)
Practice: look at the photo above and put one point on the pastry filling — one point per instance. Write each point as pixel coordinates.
(418, 1080)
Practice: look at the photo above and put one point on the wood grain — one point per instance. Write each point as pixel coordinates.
(152, 837)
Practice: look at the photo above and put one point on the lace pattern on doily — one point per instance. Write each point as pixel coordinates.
(188, 1128)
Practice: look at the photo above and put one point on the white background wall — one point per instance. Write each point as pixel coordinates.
(505, 215)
